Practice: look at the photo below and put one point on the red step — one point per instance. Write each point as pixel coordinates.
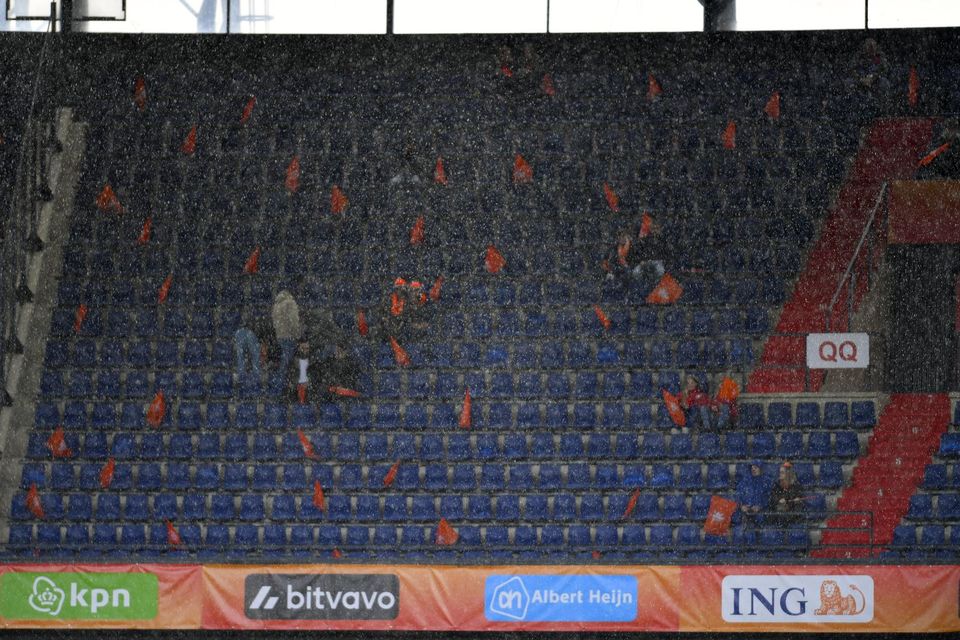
(907, 435)
(889, 151)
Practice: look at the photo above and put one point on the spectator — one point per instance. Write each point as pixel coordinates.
(638, 258)
(339, 369)
(696, 403)
(869, 76)
(286, 326)
(407, 312)
(315, 374)
(786, 498)
(251, 340)
(408, 171)
(945, 152)
(725, 404)
(753, 496)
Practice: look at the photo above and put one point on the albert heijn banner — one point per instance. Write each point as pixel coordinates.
(148, 596)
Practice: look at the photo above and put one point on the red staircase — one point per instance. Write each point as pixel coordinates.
(906, 437)
(890, 151)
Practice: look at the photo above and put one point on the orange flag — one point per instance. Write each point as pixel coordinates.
(646, 226)
(164, 289)
(435, 289)
(396, 304)
(79, 317)
(672, 403)
(632, 503)
(522, 171)
(306, 445)
(57, 444)
(613, 200)
(913, 87)
(344, 392)
(930, 157)
(157, 410)
(506, 70)
(546, 85)
(403, 360)
(466, 411)
(667, 291)
(623, 250)
(730, 136)
(416, 233)
(391, 474)
(338, 200)
(292, 181)
(653, 87)
(108, 200)
(446, 535)
(145, 231)
(302, 393)
(106, 474)
(248, 110)
(728, 391)
(173, 536)
(34, 505)
(494, 260)
(362, 327)
(189, 146)
(602, 317)
(719, 516)
(439, 173)
(773, 106)
(140, 93)
(318, 500)
(336, 554)
(252, 265)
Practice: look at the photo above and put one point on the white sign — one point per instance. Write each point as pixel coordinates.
(838, 350)
(769, 598)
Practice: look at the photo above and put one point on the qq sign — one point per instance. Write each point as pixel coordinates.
(838, 350)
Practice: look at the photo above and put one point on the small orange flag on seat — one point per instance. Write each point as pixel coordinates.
(632, 503)
(164, 290)
(252, 265)
(494, 260)
(546, 85)
(399, 354)
(106, 474)
(602, 317)
(79, 317)
(173, 536)
(34, 505)
(613, 200)
(396, 304)
(302, 393)
(672, 403)
(145, 232)
(446, 535)
(362, 327)
(57, 444)
(439, 173)
(338, 200)
(522, 171)
(318, 500)
(435, 289)
(336, 554)
(913, 87)
(391, 474)
(306, 445)
(667, 291)
(157, 409)
(466, 411)
(248, 110)
(730, 136)
(108, 200)
(728, 391)
(140, 93)
(653, 87)
(344, 392)
(646, 226)
(416, 232)
(773, 106)
(292, 180)
(930, 157)
(189, 146)
(719, 516)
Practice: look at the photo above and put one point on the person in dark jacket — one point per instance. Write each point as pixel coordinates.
(753, 496)
(786, 504)
(407, 312)
(638, 260)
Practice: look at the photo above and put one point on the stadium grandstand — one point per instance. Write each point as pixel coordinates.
(369, 321)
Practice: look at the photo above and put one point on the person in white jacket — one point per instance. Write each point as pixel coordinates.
(286, 325)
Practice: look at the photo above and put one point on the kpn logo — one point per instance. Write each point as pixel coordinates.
(79, 596)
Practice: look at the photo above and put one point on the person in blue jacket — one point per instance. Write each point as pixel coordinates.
(753, 494)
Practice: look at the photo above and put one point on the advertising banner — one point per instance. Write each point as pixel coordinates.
(450, 598)
(838, 350)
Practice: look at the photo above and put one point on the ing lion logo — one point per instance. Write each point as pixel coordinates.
(834, 603)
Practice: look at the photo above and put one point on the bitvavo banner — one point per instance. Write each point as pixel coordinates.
(546, 598)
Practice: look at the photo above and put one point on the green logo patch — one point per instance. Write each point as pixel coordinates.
(79, 596)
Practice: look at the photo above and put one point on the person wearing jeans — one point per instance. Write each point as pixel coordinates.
(246, 344)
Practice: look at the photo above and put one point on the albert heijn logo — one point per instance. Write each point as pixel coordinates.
(798, 598)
